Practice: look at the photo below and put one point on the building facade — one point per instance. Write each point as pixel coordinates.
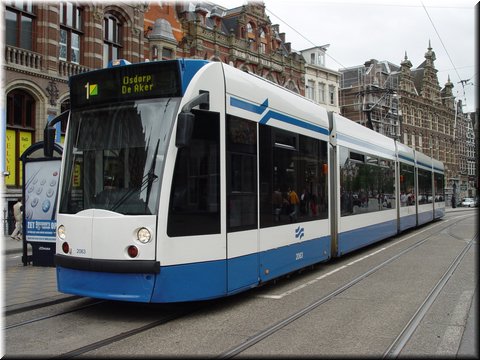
(45, 43)
(48, 42)
(243, 37)
(408, 104)
(321, 83)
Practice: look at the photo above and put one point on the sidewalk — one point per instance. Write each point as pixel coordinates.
(27, 285)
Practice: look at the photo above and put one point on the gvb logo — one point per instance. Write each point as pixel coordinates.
(299, 232)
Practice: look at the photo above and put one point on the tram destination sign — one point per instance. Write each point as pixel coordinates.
(125, 83)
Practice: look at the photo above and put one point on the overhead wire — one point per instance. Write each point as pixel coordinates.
(311, 42)
(462, 82)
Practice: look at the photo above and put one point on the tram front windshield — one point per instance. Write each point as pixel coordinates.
(114, 157)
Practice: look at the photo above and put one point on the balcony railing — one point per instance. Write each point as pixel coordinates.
(23, 57)
(34, 61)
(67, 69)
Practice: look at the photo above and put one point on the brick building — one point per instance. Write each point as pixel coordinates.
(243, 37)
(44, 44)
(408, 104)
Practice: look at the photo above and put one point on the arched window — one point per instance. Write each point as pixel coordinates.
(291, 86)
(19, 134)
(250, 32)
(112, 39)
(154, 52)
(263, 41)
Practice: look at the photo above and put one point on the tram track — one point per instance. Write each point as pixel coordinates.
(399, 343)
(126, 334)
(177, 313)
(45, 317)
(39, 305)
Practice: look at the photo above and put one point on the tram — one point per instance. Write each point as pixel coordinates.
(190, 180)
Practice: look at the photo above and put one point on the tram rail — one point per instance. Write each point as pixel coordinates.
(165, 315)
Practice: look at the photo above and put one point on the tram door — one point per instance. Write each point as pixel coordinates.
(242, 204)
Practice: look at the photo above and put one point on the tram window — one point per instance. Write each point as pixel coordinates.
(241, 174)
(290, 161)
(195, 195)
(286, 140)
(407, 185)
(439, 187)
(424, 186)
(365, 187)
(357, 157)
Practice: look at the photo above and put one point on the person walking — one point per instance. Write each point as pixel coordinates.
(294, 204)
(18, 215)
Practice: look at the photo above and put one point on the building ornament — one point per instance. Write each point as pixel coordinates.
(52, 91)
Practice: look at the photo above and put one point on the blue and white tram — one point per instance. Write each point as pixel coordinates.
(407, 211)
(438, 189)
(364, 166)
(190, 180)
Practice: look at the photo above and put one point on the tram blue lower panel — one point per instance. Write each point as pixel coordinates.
(187, 282)
(408, 221)
(242, 273)
(439, 213)
(425, 217)
(102, 285)
(197, 281)
(355, 239)
(285, 259)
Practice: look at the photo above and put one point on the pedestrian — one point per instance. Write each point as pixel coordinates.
(18, 215)
(277, 204)
(294, 204)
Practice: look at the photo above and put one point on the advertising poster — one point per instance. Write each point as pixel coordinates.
(41, 186)
(10, 157)
(25, 140)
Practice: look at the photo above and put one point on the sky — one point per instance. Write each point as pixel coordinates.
(361, 30)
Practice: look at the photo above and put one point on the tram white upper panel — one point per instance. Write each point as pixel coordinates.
(423, 161)
(438, 166)
(355, 136)
(405, 153)
(254, 98)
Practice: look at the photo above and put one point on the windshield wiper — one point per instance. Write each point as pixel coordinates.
(151, 174)
(147, 182)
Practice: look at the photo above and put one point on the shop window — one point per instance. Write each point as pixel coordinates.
(19, 133)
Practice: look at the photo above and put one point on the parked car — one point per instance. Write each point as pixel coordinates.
(468, 202)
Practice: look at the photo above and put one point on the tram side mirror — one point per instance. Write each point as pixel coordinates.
(49, 133)
(48, 141)
(185, 124)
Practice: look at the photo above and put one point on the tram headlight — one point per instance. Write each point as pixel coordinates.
(144, 235)
(61, 232)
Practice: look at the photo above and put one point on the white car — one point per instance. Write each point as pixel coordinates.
(468, 202)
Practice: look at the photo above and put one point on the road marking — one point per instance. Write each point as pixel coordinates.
(311, 282)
